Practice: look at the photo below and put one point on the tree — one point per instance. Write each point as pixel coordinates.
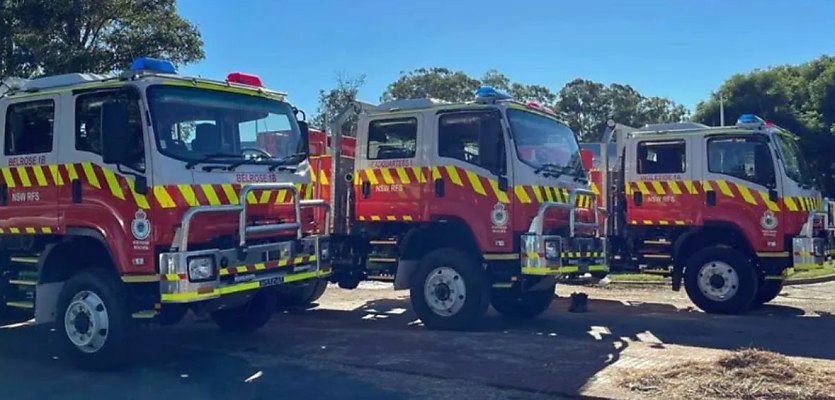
(587, 106)
(798, 98)
(438, 83)
(334, 101)
(95, 36)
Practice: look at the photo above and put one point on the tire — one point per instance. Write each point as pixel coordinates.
(512, 303)
(720, 280)
(449, 290)
(302, 295)
(249, 317)
(769, 290)
(94, 321)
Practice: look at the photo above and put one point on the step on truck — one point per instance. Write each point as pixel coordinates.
(145, 195)
(730, 211)
(465, 205)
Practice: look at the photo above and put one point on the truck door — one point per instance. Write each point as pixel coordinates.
(740, 187)
(28, 194)
(660, 182)
(389, 170)
(472, 175)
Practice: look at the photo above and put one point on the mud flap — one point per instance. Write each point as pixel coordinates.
(47, 301)
(403, 276)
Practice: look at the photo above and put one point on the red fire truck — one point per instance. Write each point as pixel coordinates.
(144, 195)
(465, 205)
(728, 210)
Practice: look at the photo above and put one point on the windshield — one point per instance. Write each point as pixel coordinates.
(542, 142)
(193, 123)
(793, 161)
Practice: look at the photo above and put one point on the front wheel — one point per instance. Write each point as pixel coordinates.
(513, 303)
(249, 317)
(769, 290)
(449, 290)
(721, 280)
(93, 316)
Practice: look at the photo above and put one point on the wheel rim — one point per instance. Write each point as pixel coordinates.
(86, 322)
(445, 291)
(718, 281)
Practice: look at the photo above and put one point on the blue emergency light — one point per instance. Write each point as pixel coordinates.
(750, 121)
(153, 65)
(487, 93)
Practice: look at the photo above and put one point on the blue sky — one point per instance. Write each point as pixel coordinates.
(681, 49)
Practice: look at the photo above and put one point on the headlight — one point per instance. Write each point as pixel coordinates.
(201, 268)
(552, 250)
(324, 250)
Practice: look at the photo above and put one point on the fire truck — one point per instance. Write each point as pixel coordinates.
(465, 205)
(728, 210)
(144, 195)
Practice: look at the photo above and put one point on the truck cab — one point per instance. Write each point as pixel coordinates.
(731, 210)
(465, 205)
(145, 195)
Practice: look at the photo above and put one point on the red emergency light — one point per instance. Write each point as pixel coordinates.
(245, 79)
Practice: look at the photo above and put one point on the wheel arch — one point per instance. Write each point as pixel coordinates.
(711, 234)
(81, 248)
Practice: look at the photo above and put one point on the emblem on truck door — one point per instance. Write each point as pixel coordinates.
(768, 221)
(140, 226)
(499, 215)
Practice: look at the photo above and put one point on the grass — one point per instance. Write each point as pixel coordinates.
(639, 277)
(746, 374)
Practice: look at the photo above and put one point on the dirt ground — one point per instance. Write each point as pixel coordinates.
(367, 344)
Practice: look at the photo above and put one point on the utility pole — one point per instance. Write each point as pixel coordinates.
(721, 109)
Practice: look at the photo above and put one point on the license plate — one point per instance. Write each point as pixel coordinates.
(272, 281)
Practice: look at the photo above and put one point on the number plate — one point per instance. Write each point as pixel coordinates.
(272, 281)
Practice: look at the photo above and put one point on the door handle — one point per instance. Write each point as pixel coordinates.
(711, 198)
(76, 191)
(638, 198)
(366, 189)
(439, 188)
(4, 194)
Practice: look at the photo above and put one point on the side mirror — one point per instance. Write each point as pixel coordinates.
(115, 136)
(304, 140)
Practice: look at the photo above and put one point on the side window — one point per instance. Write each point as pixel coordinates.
(88, 122)
(743, 158)
(664, 157)
(29, 127)
(392, 138)
(473, 137)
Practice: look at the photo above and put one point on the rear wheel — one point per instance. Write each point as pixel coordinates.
(769, 290)
(721, 280)
(449, 290)
(249, 317)
(94, 320)
(513, 303)
(302, 295)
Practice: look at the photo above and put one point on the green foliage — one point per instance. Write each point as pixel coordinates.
(334, 101)
(799, 98)
(438, 83)
(44, 37)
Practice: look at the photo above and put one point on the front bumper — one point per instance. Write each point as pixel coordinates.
(555, 255)
(258, 267)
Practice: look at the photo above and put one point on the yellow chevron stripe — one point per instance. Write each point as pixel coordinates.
(627, 188)
(372, 178)
(564, 194)
(662, 222)
(56, 175)
(39, 175)
(7, 176)
(163, 198)
(265, 195)
(188, 195)
(87, 167)
(375, 217)
(647, 222)
(453, 175)
(475, 182)
(14, 230)
(537, 193)
(724, 188)
(46, 229)
(436, 174)
(706, 186)
(29, 229)
(313, 175)
(357, 179)
(391, 218)
(659, 188)
(674, 187)
(558, 195)
(231, 194)
(679, 222)
(24, 177)
(500, 194)
(594, 188)
(548, 194)
(404, 177)
(642, 187)
(386, 176)
(790, 204)
(113, 184)
(419, 174)
(71, 173)
(140, 199)
(773, 206)
(521, 194)
(690, 187)
(802, 203)
(211, 195)
(407, 217)
(746, 194)
(323, 177)
(308, 194)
